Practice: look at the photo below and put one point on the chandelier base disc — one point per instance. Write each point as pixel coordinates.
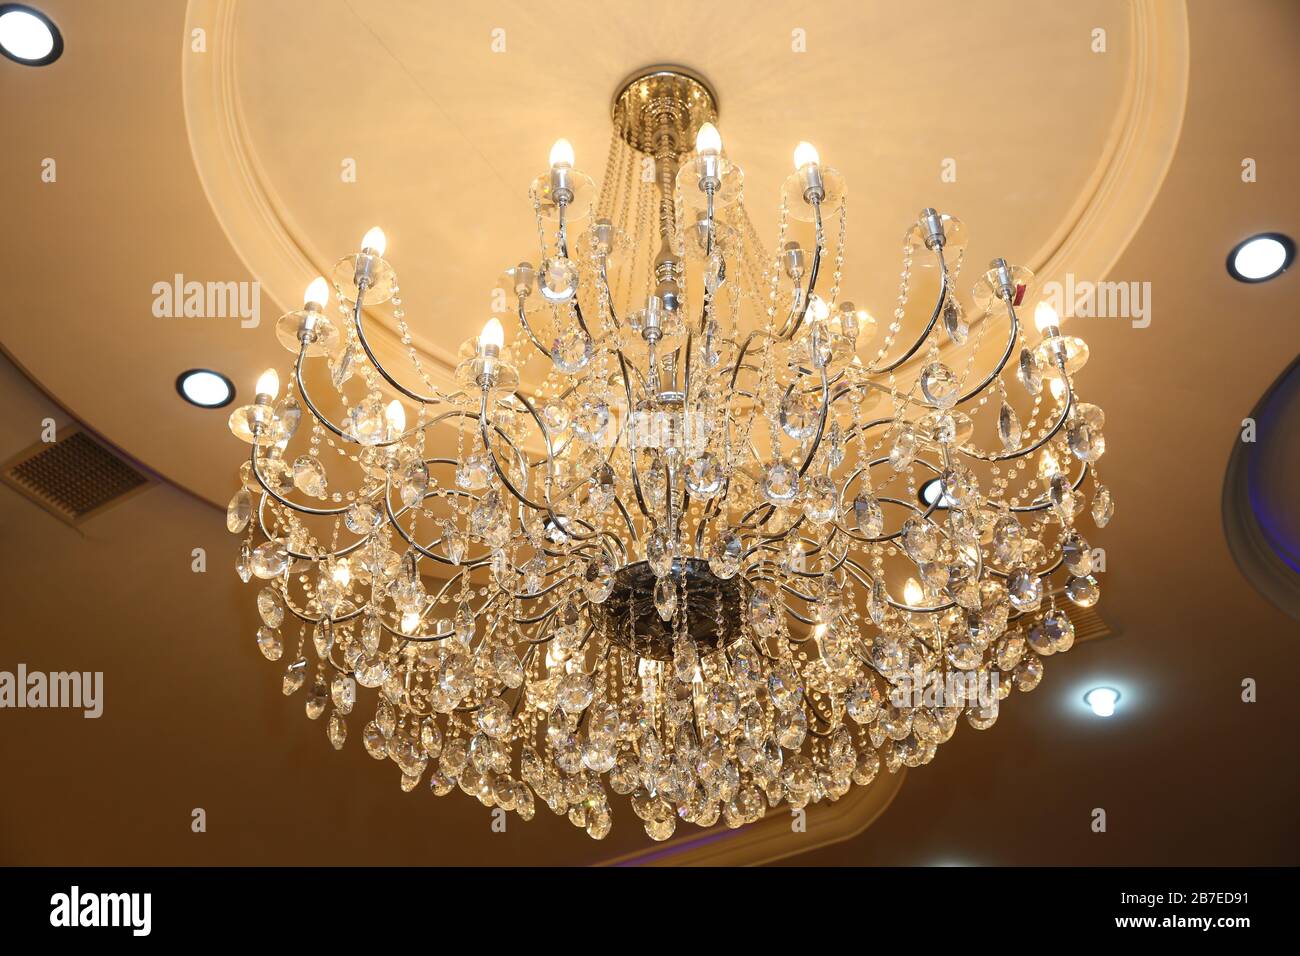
(713, 607)
(663, 100)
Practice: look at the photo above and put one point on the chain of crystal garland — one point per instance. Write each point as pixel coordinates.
(795, 462)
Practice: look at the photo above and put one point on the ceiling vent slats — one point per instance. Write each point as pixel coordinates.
(73, 478)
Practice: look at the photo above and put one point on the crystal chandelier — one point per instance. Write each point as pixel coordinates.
(733, 546)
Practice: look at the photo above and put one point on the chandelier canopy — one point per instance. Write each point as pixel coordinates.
(712, 537)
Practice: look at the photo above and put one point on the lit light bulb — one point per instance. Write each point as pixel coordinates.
(818, 308)
(375, 241)
(395, 415)
(410, 622)
(1102, 700)
(1048, 465)
(268, 384)
(805, 154)
(492, 334)
(1045, 317)
(708, 141)
(562, 153)
(342, 573)
(317, 294)
(913, 593)
(820, 629)
(1058, 387)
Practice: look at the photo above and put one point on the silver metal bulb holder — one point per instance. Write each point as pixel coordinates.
(365, 269)
(525, 279)
(794, 259)
(562, 185)
(814, 187)
(1006, 283)
(932, 224)
(709, 168)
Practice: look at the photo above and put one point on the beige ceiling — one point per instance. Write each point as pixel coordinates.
(446, 136)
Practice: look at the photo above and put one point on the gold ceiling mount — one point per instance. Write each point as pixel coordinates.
(663, 98)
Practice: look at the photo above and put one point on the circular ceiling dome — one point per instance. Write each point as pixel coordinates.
(1261, 511)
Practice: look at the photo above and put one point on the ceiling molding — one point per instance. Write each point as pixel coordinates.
(261, 230)
(1138, 152)
(1090, 239)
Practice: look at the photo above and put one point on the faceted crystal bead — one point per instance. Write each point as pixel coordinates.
(1061, 495)
(763, 612)
(287, 413)
(337, 731)
(366, 423)
(780, 482)
(269, 643)
(863, 702)
(494, 718)
(921, 539)
(659, 552)
(800, 412)
(903, 452)
(557, 279)
(343, 692)
(244, 563)
(1025, 589)
(413, 484)
(819, 499)
(1076, 554)
(270, 559)
(294, 676)
(270, 607)
(1008, 428)
(1102, 506)
(362, 518)
(939, 385)
(572, 350)
(317, 698)
(685, 659)
(665, 598)
(473, 473)
(869, 515)
(954, 321)
(239, 511)
(1083, 591)
(1030, 372)
(1008, 541)
(598, 579)
(1028, 673)
(704, 476)
(725, 555)
(309, 476)
(591, 420)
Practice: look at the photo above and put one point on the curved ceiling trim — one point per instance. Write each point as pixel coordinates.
(1090, 239)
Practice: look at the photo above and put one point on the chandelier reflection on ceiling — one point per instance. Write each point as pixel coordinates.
(735, 545)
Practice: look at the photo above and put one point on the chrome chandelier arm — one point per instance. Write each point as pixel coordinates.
(365, 345)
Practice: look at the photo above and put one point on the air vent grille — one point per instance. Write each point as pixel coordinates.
(74, 477)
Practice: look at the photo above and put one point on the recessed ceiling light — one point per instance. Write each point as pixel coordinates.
(28, 36)
(1261, 257)
(932, 492)
(1102, 700)
(205, 388)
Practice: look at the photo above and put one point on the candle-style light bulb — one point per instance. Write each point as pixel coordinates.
(1045, 317)
(818, 309)
(317, 294)
(268, 383)
(805, 154)
(913, 593)
(395, 416)
(562, 153)
(374, 241)
(708, 141)
(493, 334)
